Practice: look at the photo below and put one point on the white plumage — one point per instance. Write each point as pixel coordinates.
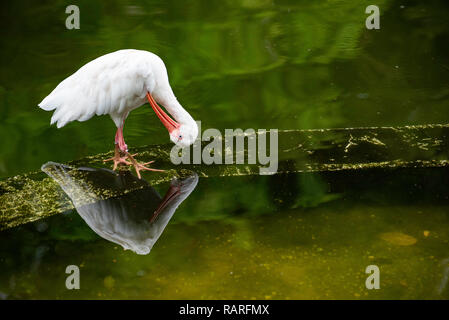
(115, 84)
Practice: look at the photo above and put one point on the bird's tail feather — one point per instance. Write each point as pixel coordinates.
(46, 104)
(67, 105)
(67, 113)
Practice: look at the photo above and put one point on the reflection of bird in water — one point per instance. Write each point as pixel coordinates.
(105, 200)
(115, 84)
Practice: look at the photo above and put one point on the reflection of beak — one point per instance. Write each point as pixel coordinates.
(168, 122)
(171, 194)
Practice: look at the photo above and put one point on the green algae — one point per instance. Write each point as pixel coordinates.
(29, 197)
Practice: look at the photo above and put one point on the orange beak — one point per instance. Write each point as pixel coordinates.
(168, 122)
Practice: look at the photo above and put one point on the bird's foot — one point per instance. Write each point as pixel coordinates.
(140, 166)
(128, 160)
(118, 160)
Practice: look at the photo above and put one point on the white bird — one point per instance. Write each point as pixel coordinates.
(116, 84)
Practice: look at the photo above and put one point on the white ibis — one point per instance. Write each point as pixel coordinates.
(116, 84)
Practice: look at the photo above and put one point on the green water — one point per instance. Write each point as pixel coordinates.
(278, 237)
(247, 64)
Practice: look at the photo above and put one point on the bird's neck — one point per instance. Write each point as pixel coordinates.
(179, 113)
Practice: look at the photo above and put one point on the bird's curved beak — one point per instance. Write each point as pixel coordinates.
(168, 122)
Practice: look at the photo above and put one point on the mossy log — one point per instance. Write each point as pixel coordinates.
(32, 196)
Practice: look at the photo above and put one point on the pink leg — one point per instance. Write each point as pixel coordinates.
(120, 140)
(120, 145)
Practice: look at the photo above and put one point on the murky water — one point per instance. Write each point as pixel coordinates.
(248, 64)
(296, 236)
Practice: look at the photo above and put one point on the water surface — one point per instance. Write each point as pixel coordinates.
(239, 64)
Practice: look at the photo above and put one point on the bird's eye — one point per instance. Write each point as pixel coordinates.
(180, 137)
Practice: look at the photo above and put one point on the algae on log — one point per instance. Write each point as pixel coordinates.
(32, 196)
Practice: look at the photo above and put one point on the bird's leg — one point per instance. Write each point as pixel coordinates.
(120, 146)
(140, 166)
(120, 140)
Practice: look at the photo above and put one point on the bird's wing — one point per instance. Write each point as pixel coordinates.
(106, 85)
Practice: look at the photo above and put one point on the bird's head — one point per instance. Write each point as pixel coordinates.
(185, 135)
(182, 135)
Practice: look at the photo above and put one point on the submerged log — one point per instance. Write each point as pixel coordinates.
(32, 196)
